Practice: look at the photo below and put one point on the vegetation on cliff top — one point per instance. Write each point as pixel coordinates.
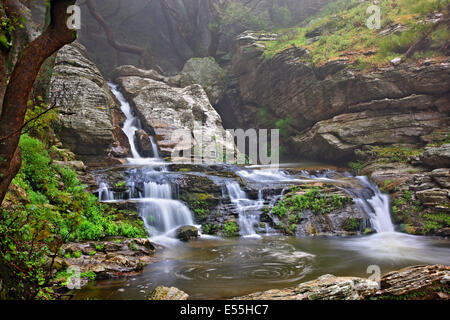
(339, 31)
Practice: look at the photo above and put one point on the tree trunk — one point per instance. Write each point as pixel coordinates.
(21, 82)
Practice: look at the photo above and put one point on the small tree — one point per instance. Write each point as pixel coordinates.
(26, 69)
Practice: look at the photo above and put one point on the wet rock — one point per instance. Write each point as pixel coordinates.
(437, 157)
(186, 233)
(176, 115)
(326, 287)
(143, 144)
(166, 293)
(412, 283)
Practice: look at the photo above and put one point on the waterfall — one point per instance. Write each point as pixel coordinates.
(249, 210)
(104, 194)
(369, 198)
(130, 126)
(161, 214)
(377, 207)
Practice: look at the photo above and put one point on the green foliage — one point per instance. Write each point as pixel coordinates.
(27, 239)
(351, 224)
(200, 204)
(282, 16)
(394, 153)
(299, 200)
(7, 26)
(284, 125)
(434, 222)
(357, 166)
(343, 33)
(53, 209)
(90, 274)
(211, 229)
(230, 229)
(399, 43)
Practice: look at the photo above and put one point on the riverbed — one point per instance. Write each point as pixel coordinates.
(215, 268)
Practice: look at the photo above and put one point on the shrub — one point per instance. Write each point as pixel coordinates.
(230, 229)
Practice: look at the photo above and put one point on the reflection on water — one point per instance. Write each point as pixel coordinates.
(216, 268)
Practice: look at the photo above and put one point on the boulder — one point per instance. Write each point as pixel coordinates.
(166, 293)
(437, 157)
(89, 120)
(186, 233)
(207, 73)
(180, 117)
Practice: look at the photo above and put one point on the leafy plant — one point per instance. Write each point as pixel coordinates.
(230, 229)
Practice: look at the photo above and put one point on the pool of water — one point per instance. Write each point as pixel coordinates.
(213, 268)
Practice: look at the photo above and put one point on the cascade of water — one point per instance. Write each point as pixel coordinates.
(369, 198)
(266, 175)
(160, 212)
(249, 210)
(104, 194)
(377, 207)
(131, 124)
(154, 147)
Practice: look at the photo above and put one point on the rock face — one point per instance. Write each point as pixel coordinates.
(327, 287)
(179, 117)
(207, 73)
(398, 104)
(90, 117)
(437, 157)
(165, 293)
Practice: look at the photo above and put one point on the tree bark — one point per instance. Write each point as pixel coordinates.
(21, 82)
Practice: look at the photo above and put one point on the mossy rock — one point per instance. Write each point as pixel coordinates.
(166, 293)
(186, 233)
